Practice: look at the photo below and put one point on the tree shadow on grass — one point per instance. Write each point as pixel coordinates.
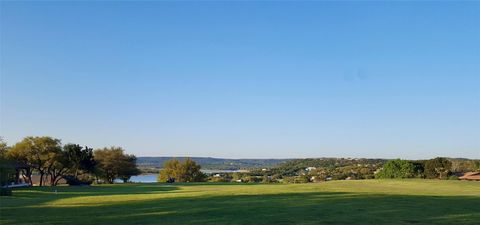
(38, 196)
(93, 190)
(291, 208)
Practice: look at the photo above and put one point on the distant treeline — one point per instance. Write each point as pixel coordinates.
(324, 169)
(153, 164)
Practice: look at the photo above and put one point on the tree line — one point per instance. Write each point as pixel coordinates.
(324, 169)
(436, 168)
(52, 162)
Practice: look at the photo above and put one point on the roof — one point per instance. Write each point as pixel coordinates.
(15, 165)
(470, 176)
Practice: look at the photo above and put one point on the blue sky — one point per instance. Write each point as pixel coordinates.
(245, 79)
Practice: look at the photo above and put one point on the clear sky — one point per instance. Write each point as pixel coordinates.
(245, 79)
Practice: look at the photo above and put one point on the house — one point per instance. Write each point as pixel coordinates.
(470, 176)
(16, 170)
(310, 168)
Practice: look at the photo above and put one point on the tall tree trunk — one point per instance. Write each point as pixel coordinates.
(41, 178)
(52, 180)
(29, 175)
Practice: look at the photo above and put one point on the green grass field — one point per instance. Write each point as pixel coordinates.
(335, 202)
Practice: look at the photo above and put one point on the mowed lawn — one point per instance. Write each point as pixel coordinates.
(335, 202)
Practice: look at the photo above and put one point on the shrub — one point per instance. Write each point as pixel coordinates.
(453, 177)
(73, 181)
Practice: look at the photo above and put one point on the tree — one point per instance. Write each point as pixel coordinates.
(438, 168)
(191, 172)
(188, 171)
(37, 152)
(3, 149)
(81, 159)
(419, 167)
(171, 171)
(112, 163)
(58, 166)
(397, 169)
(6, 171)
(128, 168)
(463, 165)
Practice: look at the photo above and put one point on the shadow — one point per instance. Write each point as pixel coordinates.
(284, 208)
(37, 196)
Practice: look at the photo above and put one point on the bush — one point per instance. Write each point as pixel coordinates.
(297, 179)
(252, 179)
(217, 179)
(73, 181)
(453, 177)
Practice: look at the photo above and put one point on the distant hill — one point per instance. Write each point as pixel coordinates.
(213, 163)
(292, 165)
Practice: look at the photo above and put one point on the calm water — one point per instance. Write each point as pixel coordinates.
(152, 178)
(144, 178)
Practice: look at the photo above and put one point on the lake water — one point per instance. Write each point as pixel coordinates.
(152, 178)
(144, 178)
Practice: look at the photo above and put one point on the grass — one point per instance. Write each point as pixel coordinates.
(335, 202)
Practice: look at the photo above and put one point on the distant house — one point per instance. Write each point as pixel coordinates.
(310, 168)
(470, 176)
(16, 168)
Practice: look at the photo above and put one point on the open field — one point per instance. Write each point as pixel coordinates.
(336, 202)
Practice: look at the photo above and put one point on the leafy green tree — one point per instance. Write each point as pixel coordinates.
(191, 172)
(171, 170)
(82, 160)
(438, 168)
(58, 166)
(113, 163)
(419, 167)
(37, 152)
(128, 168)
(187, 171)
(6, 171)
(463, 165)
(396, 169)
(3, 149)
